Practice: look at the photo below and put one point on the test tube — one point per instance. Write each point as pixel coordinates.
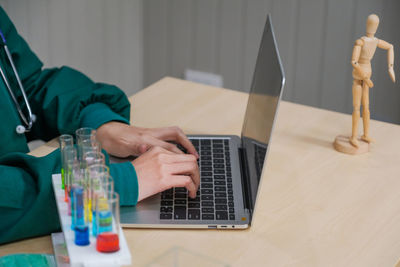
(93, 175)
(96, 171)
(107, 221)
(92, 158)
(69, 157)
(101, 186)
(80, 223)
(90, 145)
(65, 140)
(77, 178)
(83, 134)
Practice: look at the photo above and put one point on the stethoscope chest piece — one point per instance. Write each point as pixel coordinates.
(20, 129)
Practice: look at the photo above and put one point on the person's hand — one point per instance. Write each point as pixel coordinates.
(122, 140)
(159, 169)
(391, 74)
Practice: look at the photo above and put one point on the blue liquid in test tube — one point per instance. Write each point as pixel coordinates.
(81, 228)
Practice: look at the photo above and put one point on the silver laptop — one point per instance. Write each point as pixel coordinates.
(230, 166)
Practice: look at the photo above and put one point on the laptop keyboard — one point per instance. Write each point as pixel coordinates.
(214, 199)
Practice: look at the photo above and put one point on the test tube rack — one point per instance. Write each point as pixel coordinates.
(86, 256)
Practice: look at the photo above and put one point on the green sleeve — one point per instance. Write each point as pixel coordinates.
(59, 96)
(27, 205)
(97, 114)
(125, 183)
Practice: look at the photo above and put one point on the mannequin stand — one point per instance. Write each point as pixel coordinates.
(343, 145)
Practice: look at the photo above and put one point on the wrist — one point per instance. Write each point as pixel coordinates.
(106, 129)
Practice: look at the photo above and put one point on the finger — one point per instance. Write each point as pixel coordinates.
(186, 168)
(143, 148)
(156, 142)
(177, 158)
(183, 181)
(185, 142)
(136, 146)
(174, 134)
(137, 149)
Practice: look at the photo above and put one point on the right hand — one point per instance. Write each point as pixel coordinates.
(159, 169)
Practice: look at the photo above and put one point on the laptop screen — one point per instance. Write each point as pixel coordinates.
(265, 92)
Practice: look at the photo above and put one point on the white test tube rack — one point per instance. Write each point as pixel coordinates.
(86, 256)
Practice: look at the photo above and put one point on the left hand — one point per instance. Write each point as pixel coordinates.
(122, 140)
(369, 82)
(391, 74)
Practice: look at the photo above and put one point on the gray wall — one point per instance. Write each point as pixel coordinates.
(133, 43)
(315, 38)
(101, 38)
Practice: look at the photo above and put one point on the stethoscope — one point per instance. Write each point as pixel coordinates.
(28, 122)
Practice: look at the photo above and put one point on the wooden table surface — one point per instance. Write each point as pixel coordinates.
(316, 207)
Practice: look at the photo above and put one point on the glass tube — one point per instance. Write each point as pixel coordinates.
(93, 158)
(90, 145)
(102, 186)
(77, 179)
(64, 140)
(80, 219)
(83, 134)
(69, 157)
(107, 221)
(97, 170)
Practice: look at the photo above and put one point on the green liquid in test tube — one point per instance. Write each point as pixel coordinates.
(65, 140)
(62, 179)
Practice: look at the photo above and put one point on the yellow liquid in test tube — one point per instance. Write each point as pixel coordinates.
(88, 210)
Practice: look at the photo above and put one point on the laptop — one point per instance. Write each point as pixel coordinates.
(230, 166)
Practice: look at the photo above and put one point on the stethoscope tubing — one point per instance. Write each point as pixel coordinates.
(28, 123)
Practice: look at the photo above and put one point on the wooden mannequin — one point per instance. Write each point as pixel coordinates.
(363, 52)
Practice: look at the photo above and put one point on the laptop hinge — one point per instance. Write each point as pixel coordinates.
(247, 200)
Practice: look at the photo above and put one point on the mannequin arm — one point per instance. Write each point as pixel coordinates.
(356, 56)
(354, 62)
(389, 47)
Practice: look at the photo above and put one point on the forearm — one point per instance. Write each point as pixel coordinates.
(356, 66)
(390, 57)
(60, 96)
(356, 56)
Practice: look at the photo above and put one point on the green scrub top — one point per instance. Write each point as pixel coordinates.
(63, 100)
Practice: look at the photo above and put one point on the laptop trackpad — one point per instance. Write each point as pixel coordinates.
(145, 212)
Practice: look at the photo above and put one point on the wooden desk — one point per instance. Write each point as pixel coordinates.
(316, 207)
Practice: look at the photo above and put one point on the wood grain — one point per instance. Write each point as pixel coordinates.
(316, 207)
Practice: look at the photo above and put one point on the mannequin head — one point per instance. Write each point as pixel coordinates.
(372, 24)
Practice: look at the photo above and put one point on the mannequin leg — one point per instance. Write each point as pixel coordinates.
(357, 92)
(366, 113)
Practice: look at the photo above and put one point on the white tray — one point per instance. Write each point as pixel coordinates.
(86, 255)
